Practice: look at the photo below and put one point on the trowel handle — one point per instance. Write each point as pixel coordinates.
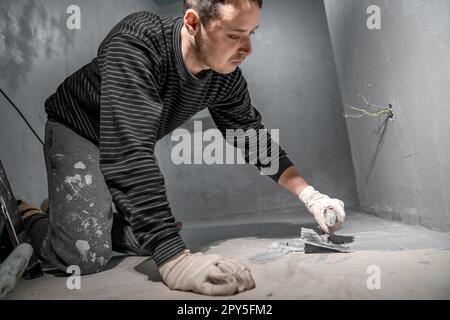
(331, 217)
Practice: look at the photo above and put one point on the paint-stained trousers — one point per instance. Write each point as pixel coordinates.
(82, 227)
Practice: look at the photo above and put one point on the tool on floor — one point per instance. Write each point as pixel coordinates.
(12, 269)
(12, 233)
(321, 243)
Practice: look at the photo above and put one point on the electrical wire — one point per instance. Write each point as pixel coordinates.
(23, 117)
(363, 112)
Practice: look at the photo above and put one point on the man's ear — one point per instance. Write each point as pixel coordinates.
(192, 21)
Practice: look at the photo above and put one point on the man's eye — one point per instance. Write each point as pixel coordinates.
(252, 33)
(233, 37)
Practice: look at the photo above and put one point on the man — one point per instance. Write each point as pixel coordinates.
(151, 74)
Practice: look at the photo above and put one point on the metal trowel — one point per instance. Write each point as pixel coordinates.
(321, 242)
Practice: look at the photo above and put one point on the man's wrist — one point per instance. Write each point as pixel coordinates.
(305, 194)
(301, 188)
(292, 181)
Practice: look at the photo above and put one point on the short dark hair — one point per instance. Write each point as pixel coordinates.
(209, 9)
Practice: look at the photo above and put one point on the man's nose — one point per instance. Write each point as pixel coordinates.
(247, 47)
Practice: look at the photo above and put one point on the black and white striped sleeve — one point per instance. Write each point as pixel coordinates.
(130, 115)
(237, 112)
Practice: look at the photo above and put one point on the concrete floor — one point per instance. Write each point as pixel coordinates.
(412, 263)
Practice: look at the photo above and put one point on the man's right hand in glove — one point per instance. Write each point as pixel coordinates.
(317, 204)
(208, 274)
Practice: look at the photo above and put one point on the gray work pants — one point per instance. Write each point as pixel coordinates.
(82, 228)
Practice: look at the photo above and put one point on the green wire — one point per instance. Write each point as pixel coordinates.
(387, 111)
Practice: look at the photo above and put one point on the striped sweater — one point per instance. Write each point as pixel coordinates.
(134, 92)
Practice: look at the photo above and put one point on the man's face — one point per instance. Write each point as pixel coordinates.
(224, 42)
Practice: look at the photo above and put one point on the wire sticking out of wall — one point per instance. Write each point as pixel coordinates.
(382, 129)
(364, 112)
(23, 117)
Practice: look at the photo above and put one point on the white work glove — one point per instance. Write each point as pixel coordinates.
(208, 274)
(317, 203)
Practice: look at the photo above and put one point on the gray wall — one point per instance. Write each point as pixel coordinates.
(404, 172)
(37, 52)
(292, 80)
